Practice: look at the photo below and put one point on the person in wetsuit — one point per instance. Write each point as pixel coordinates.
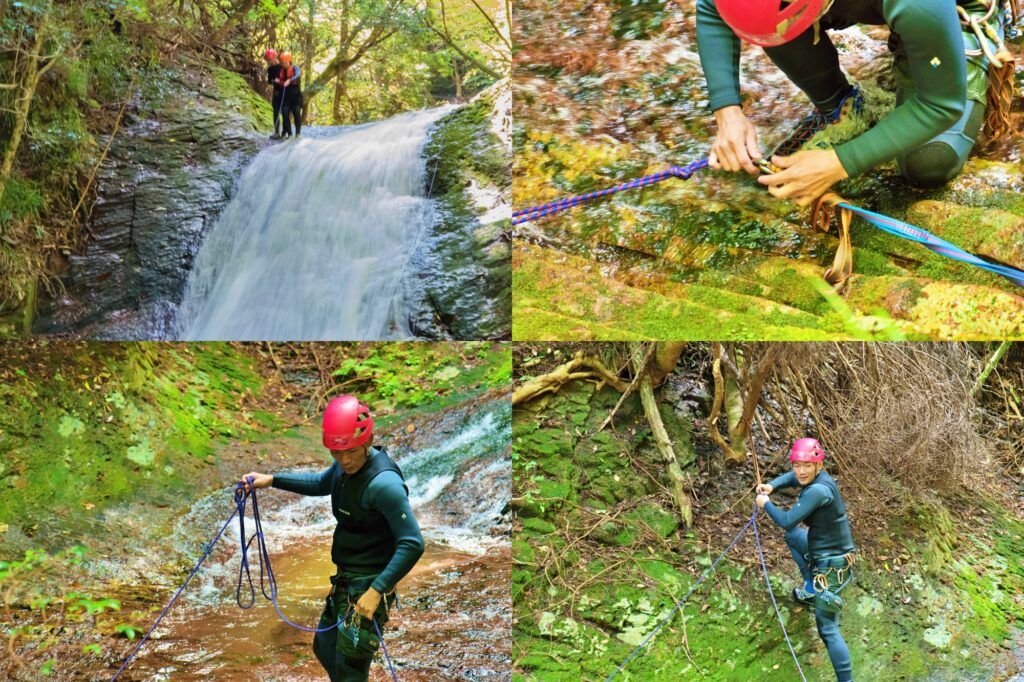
(941, 92)
(376, 543)
(823, 551)
(273, 73)
(290, 78)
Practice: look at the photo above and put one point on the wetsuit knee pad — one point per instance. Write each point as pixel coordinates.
(932, 164)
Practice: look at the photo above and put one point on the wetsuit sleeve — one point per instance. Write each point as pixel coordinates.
(815, 496)
(386, 494)
(297, 76)
(719, 50)
(306, 483)
(786, 480)
(935, 51)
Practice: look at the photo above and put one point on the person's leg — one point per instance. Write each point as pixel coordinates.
(325, 643)
(838, 652)
(796, 539)
(298, 115)
(276, 103)
(813, 68)
(285, 118)
(352, 669)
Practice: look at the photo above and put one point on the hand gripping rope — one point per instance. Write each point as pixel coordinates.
(844, 263)
(751, 522)
(241, 496)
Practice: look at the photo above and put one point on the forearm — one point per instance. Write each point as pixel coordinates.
(304, 483)
(786, 480)
(719, 50)
(389, 497)
(808, 502)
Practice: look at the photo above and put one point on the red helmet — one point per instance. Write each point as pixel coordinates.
(270, 54)
(771, 22)
(807, 450)
(347, 423)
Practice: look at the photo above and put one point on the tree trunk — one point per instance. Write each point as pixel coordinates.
(23, 103)
(340, 93)
(457, 76)
(661, 439)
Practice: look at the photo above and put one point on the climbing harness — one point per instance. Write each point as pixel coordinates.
(825, 598)
(751, 522)
(842, 266)
(241, 496)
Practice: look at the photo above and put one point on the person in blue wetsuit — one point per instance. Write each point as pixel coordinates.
(823, 550)
(376, 543)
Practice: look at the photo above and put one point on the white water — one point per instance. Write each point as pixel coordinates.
(315, 242)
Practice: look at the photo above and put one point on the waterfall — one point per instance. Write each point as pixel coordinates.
(314, 244)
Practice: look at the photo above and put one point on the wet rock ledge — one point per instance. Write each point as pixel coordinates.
(170, 171)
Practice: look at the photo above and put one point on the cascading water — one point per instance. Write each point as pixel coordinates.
(314, 244)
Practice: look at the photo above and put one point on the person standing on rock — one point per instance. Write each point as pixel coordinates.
(290, 78)
(943, 51)
(376, 543)
(824, 550)
(273, 73)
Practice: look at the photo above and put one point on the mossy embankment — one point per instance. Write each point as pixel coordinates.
(463, 278)
(599, 558)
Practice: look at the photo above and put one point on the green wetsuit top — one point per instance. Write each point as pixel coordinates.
(821, 507)
(384, 498)
(931, 35)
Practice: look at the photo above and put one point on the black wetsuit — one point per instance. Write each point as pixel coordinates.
(273, 72)
(292, 109)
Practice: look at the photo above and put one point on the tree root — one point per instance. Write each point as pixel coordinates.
(580, 367)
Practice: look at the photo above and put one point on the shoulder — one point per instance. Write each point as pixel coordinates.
(818, 492)
(387, 485)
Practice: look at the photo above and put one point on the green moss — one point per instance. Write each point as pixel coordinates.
(234, 90)
(92, 434)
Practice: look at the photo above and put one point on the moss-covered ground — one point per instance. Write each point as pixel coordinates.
(599, 559)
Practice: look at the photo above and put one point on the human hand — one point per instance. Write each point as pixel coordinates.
(735, 147)
(258, 480)
(368, 603)
(761, 500)
(765, 489)
(805, 176)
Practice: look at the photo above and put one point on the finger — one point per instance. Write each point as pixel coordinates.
(783, 161)
(713, 160)
(730, 162)
(752, 147)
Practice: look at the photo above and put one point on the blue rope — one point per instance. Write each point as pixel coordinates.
(771, 592)
(885, 223)
(752, 521)
(679, 604)
(241, 496)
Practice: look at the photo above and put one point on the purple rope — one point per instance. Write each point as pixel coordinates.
(384, 647)
(682, 172)
(209, 548)
(679, 604)
(764, 569)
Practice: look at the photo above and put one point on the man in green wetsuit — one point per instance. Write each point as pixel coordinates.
(376, 543)
(940, 100)
(823, 550)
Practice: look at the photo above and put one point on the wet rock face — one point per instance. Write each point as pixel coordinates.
(459, 281)
(170, 171)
